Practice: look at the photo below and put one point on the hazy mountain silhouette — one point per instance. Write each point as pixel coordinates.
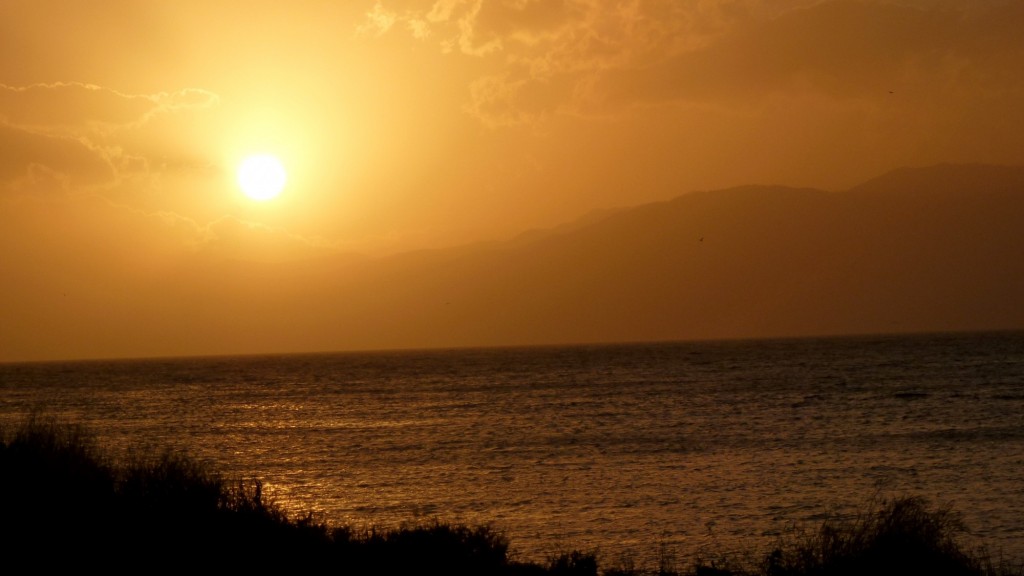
(938, 248)
(929, 249)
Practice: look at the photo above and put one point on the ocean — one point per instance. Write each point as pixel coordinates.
(637, 452)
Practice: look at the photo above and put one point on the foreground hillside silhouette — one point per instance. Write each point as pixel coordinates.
(67, 505)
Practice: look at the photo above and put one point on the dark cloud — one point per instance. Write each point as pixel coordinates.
(840, 49)
(584, 56)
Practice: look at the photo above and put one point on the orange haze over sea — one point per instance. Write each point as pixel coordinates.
(492, 172)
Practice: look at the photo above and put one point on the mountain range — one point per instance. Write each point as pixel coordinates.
(938, 248)
(915, 250)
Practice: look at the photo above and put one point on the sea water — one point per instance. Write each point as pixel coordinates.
(638, 452)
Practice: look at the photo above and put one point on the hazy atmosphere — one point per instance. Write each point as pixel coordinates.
(469, 173)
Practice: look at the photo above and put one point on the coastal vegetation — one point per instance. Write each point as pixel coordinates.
(66, 504)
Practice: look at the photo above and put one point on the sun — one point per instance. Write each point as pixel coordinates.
(262, 177)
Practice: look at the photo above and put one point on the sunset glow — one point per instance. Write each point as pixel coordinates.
(628, 278)
(402, 174)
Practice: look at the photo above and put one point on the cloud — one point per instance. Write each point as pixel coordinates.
(486, 27)
(589, 56)
(378, 21)
(547, 54)
(75, 160)
(83, 134)
(74, 105)
(186, 98)
(120, 175)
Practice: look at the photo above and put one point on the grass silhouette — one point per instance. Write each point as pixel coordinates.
(65, 505)
(892, 537)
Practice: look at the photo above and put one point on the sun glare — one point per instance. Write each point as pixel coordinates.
(262, 177)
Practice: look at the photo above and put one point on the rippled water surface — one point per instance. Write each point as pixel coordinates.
(629, 450)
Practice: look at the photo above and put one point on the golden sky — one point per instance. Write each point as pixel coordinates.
(406, 125)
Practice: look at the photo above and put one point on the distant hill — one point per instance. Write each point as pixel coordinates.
(927, 249)
(916, 250)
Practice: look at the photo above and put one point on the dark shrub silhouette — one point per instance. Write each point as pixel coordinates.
(64, 506)
(895, 537)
